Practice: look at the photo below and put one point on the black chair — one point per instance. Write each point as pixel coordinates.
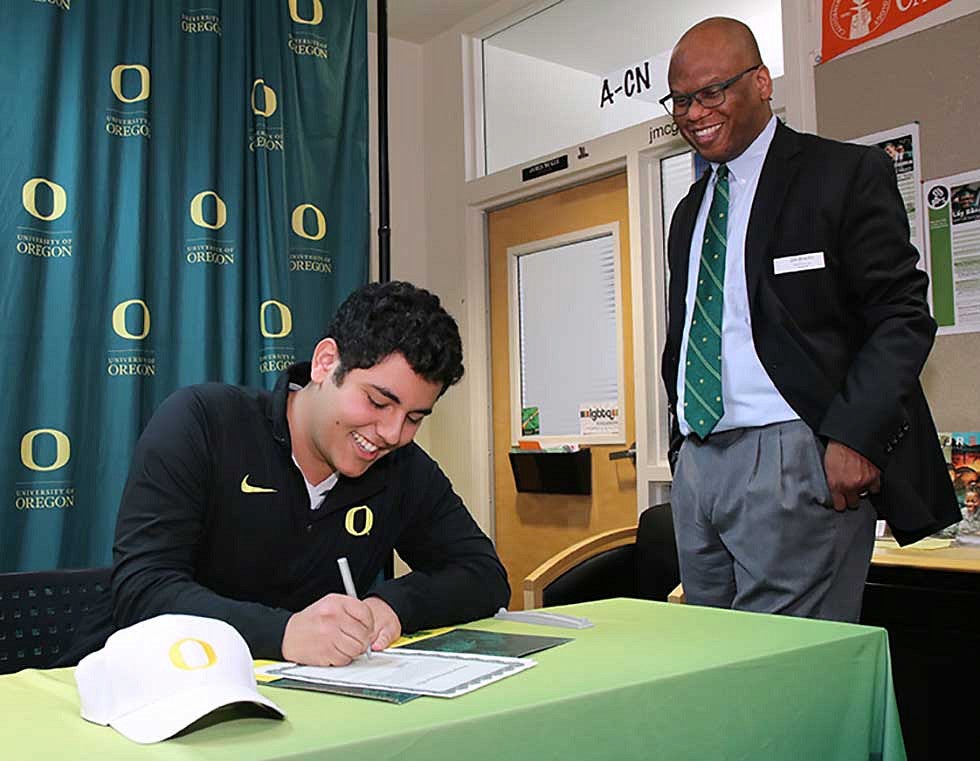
(40, 612)
(635, 561)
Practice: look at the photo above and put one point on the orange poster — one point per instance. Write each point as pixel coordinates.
(848, 23)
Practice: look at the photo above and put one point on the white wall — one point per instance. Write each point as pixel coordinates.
(451, 428)
(406, 166)
(443, 155)
(533, 106)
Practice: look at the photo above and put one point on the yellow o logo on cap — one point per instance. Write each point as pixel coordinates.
(351, 517)
(177, 657)
(268, 94)
(29, 198)
(300, 229)
(317, 13)
(119, 320)
(197, 210)
(62, 449)
(115, 80)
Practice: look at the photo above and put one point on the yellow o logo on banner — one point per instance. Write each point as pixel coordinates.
(177, 657)
(62, 449)
(119, 320)
(317, 13)
(300, 230)
(115, 80)
(29, 198)
(197, 210)
(284, 315)
(268, 95)
(352, 516)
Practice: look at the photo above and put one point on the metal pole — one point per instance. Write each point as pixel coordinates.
(384, 230)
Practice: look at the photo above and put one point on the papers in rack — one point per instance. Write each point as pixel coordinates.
(439, 674)
(929, 543)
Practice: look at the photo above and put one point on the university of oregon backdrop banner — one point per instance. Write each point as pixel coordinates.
(183, 198)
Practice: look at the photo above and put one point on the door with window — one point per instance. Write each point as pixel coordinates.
(562, 371)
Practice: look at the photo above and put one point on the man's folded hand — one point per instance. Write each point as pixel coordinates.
(333, 631)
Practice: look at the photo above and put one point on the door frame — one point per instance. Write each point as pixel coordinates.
(609, 155)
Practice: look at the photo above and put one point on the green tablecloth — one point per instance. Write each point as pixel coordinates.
(649, 681)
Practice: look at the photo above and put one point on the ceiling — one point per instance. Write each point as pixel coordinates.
(419, 21)
(599, 36)
(566, 32)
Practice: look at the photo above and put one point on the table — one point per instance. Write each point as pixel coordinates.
(649, 681)
(957, 558)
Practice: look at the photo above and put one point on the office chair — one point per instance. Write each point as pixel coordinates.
(40, 610)
(635, 561)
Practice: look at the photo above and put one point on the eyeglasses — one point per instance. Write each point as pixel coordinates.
(678, 104)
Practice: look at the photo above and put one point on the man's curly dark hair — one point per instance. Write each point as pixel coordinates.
(383, 318)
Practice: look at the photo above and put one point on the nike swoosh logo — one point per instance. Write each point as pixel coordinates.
(247, 488)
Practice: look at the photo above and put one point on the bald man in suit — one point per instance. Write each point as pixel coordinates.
(797, 328)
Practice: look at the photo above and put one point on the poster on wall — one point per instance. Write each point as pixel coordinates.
(962, 452)
(902, 144)
(953, 208)
(599, 418)
(845, 24)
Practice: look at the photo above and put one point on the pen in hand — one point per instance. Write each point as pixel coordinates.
(349, 588)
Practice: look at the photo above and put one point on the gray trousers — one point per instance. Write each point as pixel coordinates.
(756, 529)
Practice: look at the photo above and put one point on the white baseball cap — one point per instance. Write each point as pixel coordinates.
(157, 677)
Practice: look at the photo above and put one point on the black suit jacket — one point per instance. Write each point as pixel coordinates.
(843, 344)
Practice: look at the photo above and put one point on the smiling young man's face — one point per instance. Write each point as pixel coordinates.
(706, 56)
(369, 413)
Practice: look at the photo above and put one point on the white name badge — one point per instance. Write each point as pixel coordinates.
(798, 263)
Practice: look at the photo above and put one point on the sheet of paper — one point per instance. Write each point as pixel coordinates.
(439, 674)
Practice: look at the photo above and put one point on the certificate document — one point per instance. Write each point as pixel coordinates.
(421, 672)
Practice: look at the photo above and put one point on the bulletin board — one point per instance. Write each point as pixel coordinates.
(930, 78)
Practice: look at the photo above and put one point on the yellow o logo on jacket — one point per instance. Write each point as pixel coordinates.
(349, 522)
(196, 646)
(268, 96)
(317, 13)
(62, 449)
(115, 79)
(197, 210)
(285, 316)
(29, 198)
(300, 229)
(119, 320)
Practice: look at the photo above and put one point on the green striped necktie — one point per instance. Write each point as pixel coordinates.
(703, 407)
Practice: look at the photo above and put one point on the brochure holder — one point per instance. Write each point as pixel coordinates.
(552, 472)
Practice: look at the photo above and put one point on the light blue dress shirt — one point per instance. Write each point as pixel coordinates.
(749, 396)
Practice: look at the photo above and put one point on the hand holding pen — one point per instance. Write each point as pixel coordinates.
(349, 588)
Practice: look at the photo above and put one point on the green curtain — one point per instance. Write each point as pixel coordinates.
(184, 198)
